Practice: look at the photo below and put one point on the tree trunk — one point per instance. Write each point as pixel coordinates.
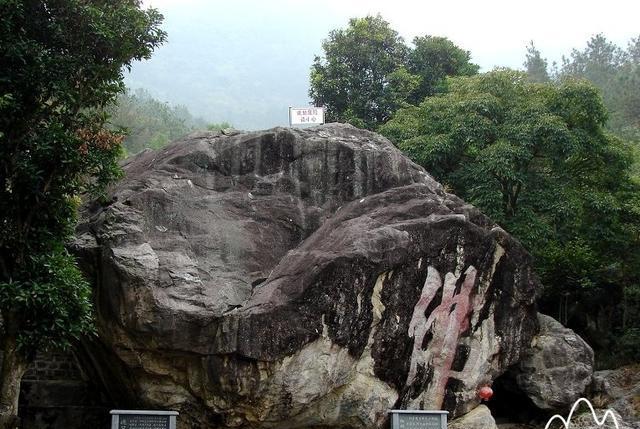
(13, 368)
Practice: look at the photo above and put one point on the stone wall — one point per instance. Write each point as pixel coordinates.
(53, 366)
(55, 394)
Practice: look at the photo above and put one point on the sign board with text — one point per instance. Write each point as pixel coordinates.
(306, 115)
(418, 419)
(138, 419)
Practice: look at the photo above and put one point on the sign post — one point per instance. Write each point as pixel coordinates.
(137, 419)
(418, 419)
(306, 116)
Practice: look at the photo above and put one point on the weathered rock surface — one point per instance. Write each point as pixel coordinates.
(619, 389)
(516, 426)
(299, 278)
(608, 418)
(557, 369)
(478, 418)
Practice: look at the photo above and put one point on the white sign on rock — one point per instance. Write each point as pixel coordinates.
(306, 115)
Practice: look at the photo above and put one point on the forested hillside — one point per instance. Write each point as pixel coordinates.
(150, 123)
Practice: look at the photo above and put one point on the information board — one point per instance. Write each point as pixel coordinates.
(141, 419)
(419, 419)
(136, 421)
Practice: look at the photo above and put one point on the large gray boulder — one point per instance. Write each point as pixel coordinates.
(557, 369)
(298, 278)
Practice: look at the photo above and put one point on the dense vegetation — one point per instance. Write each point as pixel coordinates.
(607, 312)
(60, 65)
(614, 70)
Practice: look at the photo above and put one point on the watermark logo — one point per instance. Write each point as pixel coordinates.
(599, 422)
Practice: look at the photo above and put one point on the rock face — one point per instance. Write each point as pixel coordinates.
(606, 417)
(479, 418)
(619, 390)
(557, 369)
(299, 278)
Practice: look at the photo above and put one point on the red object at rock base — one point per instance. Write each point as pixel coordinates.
(485, 393)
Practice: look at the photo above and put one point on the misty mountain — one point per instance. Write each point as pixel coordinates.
(237, 62)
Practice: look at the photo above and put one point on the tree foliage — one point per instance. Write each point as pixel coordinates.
(354, 77)
(60, 65)
(537, 159)
(433, 59)
(367, 71)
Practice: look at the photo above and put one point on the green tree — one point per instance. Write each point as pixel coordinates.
(537, 159)
(627, 99)
(535, 66)
(359, 71)
(598, 62)
(435, 58)
(60, 64)
(367, 72)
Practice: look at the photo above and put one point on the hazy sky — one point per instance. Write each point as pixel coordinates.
(247, 61)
